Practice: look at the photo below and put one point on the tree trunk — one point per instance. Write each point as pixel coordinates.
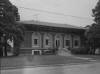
(1, 51)
(5, 50)
(1, 47)
(16, 51)
(5, 45)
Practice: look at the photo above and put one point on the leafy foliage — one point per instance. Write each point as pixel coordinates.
(93, 31)
(8, 24)
(96, 12)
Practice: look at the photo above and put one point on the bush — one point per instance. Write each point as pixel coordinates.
(16, 51)
(81, 50)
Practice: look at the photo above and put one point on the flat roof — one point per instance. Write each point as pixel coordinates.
(50, 24)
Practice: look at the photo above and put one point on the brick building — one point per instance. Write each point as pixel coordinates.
(41, 36)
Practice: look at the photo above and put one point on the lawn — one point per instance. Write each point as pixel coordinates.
(38, 60)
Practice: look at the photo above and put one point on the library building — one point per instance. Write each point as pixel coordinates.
(41, 37)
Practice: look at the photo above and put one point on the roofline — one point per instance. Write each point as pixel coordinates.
(75, 27)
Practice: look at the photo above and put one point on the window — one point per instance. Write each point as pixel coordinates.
(47, 42)
(67, 42)
(76, 43)
(35, 41)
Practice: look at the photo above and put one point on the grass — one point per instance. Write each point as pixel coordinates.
(23, 61)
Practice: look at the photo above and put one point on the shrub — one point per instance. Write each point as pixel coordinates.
(81, 50)
(16, 51)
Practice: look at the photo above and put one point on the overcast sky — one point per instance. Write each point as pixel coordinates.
(76, 12)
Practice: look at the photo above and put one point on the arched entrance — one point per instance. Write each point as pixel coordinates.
(58, 41)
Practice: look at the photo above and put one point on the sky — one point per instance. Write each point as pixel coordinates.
(74, 12)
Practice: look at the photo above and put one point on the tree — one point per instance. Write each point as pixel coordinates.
(93, 31)
(96, 13)
(9, 27)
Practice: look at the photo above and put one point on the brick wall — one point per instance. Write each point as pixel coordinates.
(27, 43)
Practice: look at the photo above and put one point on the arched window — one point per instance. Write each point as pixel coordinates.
(36, 39)
(76, 41)
(58, 41)
(67, 41)
(47, 40)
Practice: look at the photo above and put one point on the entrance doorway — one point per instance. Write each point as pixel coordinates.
(57, 43)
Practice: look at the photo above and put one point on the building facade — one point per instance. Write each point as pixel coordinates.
(43, 36)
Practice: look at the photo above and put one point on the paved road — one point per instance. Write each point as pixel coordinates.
(93, 68)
